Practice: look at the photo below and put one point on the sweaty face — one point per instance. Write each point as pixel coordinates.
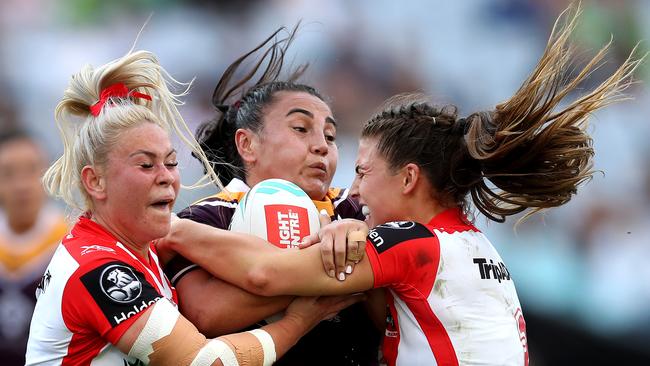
(141, 183)
(21, 193)
(297, 143)
(376, 185)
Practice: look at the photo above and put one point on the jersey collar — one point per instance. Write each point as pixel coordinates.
(237, 185)
(87, 226)
(452, 219)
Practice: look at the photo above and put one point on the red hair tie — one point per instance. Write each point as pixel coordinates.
(118, 90)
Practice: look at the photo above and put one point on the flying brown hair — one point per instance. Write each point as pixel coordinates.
(526, 153)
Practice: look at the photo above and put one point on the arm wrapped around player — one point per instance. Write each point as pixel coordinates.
(168, 338)
(162, 336)
(342, 244)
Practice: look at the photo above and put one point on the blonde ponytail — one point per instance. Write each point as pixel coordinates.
(87, 138)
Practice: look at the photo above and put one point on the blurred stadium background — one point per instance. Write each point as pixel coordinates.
(581, 271)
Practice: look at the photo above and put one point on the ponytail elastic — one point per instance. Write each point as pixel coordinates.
(118, 90)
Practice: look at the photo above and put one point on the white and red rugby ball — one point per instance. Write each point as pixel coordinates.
(278, 211)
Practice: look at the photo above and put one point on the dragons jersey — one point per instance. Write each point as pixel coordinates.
(451, 298)
(92, 291)
(23, 258)
(349, 338)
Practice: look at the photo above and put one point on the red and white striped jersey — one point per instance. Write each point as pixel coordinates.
(92, 291)
(451, 298)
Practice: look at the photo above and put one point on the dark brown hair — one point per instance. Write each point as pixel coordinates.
(239, 105)
(524, 153)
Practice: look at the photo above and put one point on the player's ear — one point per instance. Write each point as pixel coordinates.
(410, 177)
(246, 141)
(94, 182)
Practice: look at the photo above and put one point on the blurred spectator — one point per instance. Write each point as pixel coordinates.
(7, 111)
(30, 230)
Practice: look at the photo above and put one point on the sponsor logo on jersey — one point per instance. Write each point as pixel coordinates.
(375, 238)
(119, 290)
(286, 225)
(120, 284)
(124, 315)
(391, 329)
(387, 235)
(391, 333)
(94, 248)
(491, 270)
(401, 225)
(521, 326)
(133, 363)
(43, 283)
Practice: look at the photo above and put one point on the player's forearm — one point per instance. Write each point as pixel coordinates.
(254, 265)
(233, 318)
(286, 332)
(224, 254)
(222, 307)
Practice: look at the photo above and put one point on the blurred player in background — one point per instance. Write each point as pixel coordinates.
(272, 129)
(30, 230)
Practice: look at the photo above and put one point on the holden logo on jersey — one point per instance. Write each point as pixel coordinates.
(404, 225)
(376, 239)
(120, 283)
(286, 225)
(120, 290)
(387, 235)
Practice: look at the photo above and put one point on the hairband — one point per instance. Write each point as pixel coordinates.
(118, 90)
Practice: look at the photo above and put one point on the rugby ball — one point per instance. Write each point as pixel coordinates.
(277, 211)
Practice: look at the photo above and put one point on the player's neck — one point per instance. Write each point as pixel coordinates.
(141, 249)
(423, 213)
(420, 207)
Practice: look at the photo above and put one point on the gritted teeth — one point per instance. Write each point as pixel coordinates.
(365, 210)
